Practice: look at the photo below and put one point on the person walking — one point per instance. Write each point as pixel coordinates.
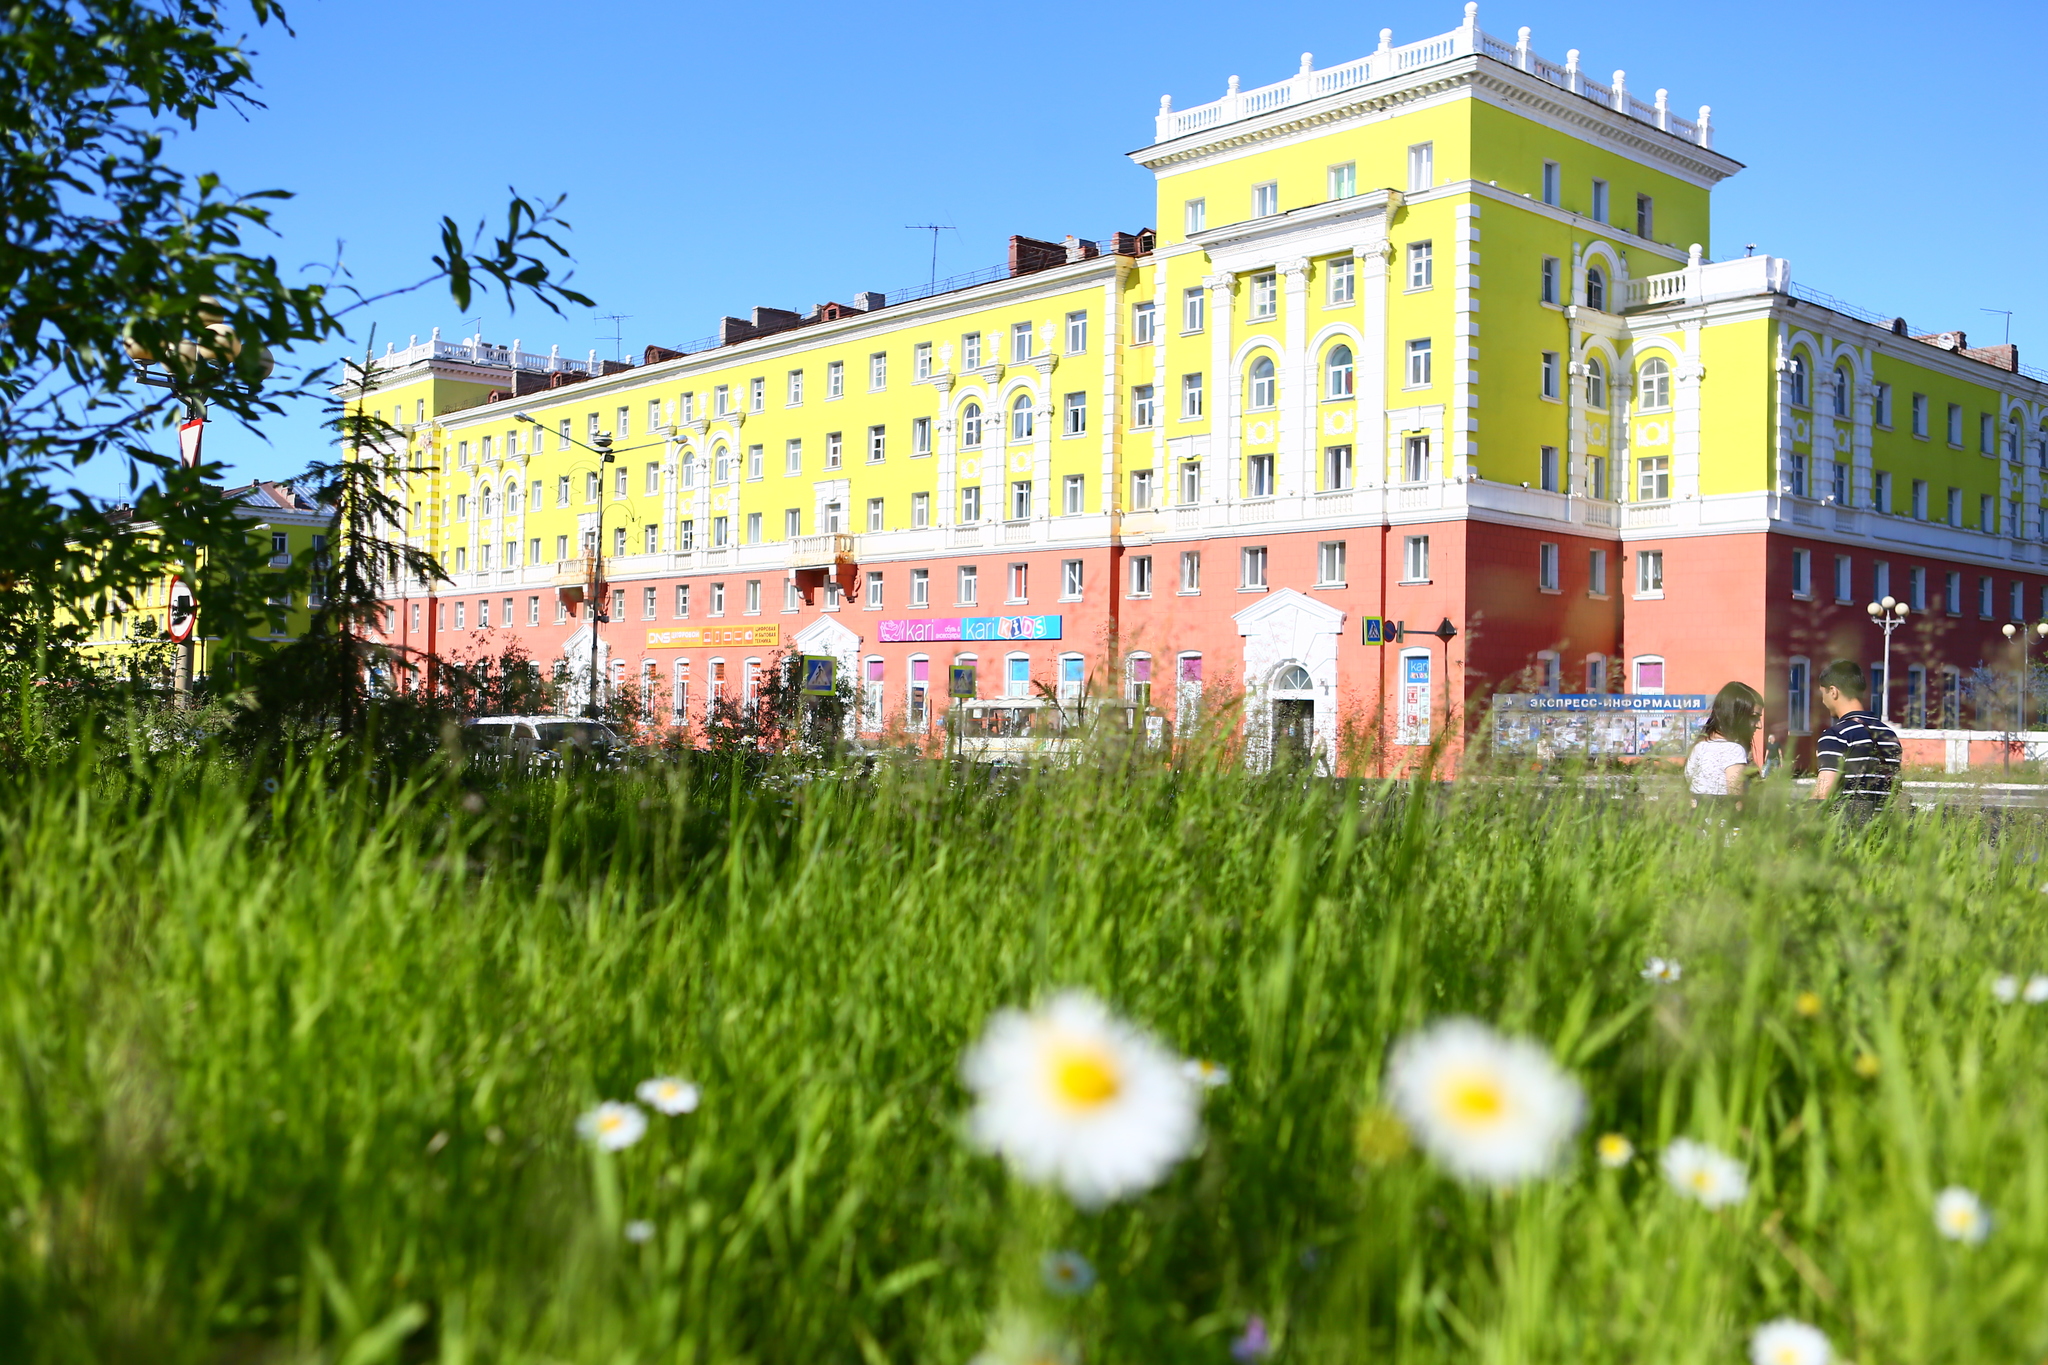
(1858, 754)
(1718, 765)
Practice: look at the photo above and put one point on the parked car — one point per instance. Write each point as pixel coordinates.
(543, 742)
(1020, 730)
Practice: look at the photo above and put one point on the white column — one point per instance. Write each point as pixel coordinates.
(1111, 415)
(1222, 483)
(1464, 349)
(1296, 448)
(1371, 434)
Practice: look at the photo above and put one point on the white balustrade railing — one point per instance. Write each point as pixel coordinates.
(478, 352)
(1709, 282)
(1468, 39)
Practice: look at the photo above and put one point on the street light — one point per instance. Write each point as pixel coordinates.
(1888, 614)
(600, 445)
(2018, 634)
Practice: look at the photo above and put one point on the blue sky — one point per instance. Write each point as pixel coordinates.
(718, 157)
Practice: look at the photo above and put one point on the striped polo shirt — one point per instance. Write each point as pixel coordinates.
(1865, 751)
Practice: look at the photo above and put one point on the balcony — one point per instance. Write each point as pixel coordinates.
(820, 552)
(576, 570)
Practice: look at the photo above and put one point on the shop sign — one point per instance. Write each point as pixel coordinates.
(923, 629)
(693, 637)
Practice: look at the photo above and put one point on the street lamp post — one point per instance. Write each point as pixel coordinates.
(600, 445)
(1888, 614)
(2018, 635)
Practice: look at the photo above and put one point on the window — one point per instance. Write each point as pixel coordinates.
(1141, 576)
(1196, 215)
(533, 611)
(878, 371)
(1649, 675)
(832, 526)
(720, 532)
(968, 586)
(1074, 414)
(1017, 676)
(1190, 396)
(757, 395)
(1144, 324)
(1986, 605)
(1596, 573)
(1072, 494)
(1337, 467)
(1802, 573)
(619, 483)
(1415, 559)
(1262, 385)
(647, 600)
(1553, 183)
(874, 597)
(1194, 309)
(835, 379)
(1881, 580)
(653, 478)
(1020, 342)
(1919, 414)
(1191, 481)
(2019, 601)
(970, 351)
(1653, 478)
(652, 542)
(1421, 166)
(721, 466)
(920, 436)
(970, 503)
(754, 462)
(1599, 211)
(1955, 507)
(562, 548)
(1952, 593)
(1649, 573)
(682, 599)
(718, 599)
(1266, 199)
(1340, 282)
(562, 488)
(920, 587)
(970, 426)
(876, 515)
(1343, 180)
(1596, 289)
(1550, 372)
(1951, 699)
(1251, 567)
(1138, 675)
(1881, 491)
(1955, 425)
(1141, 490)
(1077, 333)
(832, 450)
(1020, 418)
(1546, 567)
(1547, 290)
(1418, 364)
(460, 613)
(1916, 588)
(1654, 384)
(1020, 500)
(878, 444)
(1415, 459)
(1144, 408)
(1259, 476)
(921, 360)
(1985, 446)
(920, 510)
(1845, 583)
(1330, 564)
(1070, 580)
(1020, 583)
(1190, 571)
(1838, 391)
(1792, 479)
(1421, 265)
(1798, 696)
(1547, 469)
(1596, 384)
(1646, 216)
(1264, 297)
(619, 540)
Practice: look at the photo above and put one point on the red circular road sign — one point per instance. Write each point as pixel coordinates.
(184, 611)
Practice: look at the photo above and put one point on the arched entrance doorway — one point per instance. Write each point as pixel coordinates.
(1292, 698)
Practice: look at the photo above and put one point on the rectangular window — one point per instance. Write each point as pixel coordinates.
(1144, 324)
(649, 542)
(1251, 562)
(1340, 281)
(1916, 588)
(1881, 404)
(1266, 199)
(1421, 166)
(1550, 374)
(1190, 396)
(1881, 491)
(1548, 290)
(1845, 580)
(1020, 583)
(1072, 494)
(1985, 603)
(1264, 296)
(1653, 478)
(920, 436)
(1191, 481)
(591, 487)
(721, 400)
(1952, 593)
(619, 483)
(1144, 408)
(970, 503)
(1646, 217)
(1987, 520)
(1343, 180)
(1020, 500)
(1020, 342)
(1070, 580)
(1418, 363)
(1415, 459)
(653, 484)
(921, 360)
(1195, 215)
(1141, 576)
(647, 601)
(1190, 571)
(2019, 602)
(1194, 309)
(1793, 479)
(1955, 425)
(754, 462)
(1546, 566)
(968, 585)
(792, 523)
(1985, 445)
(1259, 476)
(1553, 183)
(562, 491)
(1330, 565)
(877, 515)
(920, 587)
(1421, 265)
(970, 351)
(1802, 573)
(1839, 489)
(878, 444)
(720, 532)
(562, 548)
(1077, 333)
(878, 371)
(1919, 414)
(1547, 469)
(1415, 559)
(1141, 490)
(1596, 571)
(757, 394)
(874, 597)
(920, 510)
(1798, 707)
(832, 450)
(1074, 415)
(1881, 580)
(1337, 471)
(1954, 515)
(718, 599)
(835, 379)
(1649, 572)
(1599, 213)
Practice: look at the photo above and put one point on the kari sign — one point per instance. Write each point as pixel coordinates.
(693, 637)
(1413, 724)
(920, 630)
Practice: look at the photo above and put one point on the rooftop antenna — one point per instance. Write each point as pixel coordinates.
(934, 229)
(618, 333)
(1749, 250)
(2008, 320)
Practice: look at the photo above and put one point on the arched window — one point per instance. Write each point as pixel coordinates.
(1655, 383)
(970, 426)
(1294, 678)
(2041, 447)
(1339, 373)
(511, 498)
(1020, 418)
(486, 508)
(1839, 395)
(1596, 289)
(1798, 377)
(1596, 383)
(1262, 382)
(689, 470)
(721, 465)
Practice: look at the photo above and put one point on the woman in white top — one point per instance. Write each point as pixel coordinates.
(1718, 763)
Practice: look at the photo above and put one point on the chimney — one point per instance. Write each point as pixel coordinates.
(869, 301)
(1079, 249)
(774, 319)
(731, 330)
(654, 355)
(1028, 254)
(2005, 356)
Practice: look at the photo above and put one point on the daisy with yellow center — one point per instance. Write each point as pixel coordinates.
(1207, 1074)
(612, 1126)
(1700, 1172)
(1959, 1216)
(667, 1095)
(1072, 1096)
(1614, 1150)
(1789, 1341)
(1487, 1107)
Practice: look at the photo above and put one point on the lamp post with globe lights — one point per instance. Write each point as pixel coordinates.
(1888, 614)
(2018, 635)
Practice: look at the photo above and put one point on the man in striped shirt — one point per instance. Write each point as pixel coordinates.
(1858, 754)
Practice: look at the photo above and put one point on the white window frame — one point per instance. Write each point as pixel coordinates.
(1266, 199)
(1799, 695)
(1420, 365)
(1649, 575)
(1415, 559)
(1421, 167)
(1421, 266)
(1340, 282)
(1802, 575)
(1253, 563)
(1548, 570)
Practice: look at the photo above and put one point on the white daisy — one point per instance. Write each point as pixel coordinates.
(1959, 1216)
(612, 1125)
(2035, 992)
(1489, 1108)
(1071, 1095)
(1697, 1170)
(1615, 1151)
(1207, 1074)
(1066, 1273)
(2006, 989)
(639, 1230)
(1662, 969)
(1789, 1341)
(667, 1095)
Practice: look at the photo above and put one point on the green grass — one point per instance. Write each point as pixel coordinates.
(293, 1077)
